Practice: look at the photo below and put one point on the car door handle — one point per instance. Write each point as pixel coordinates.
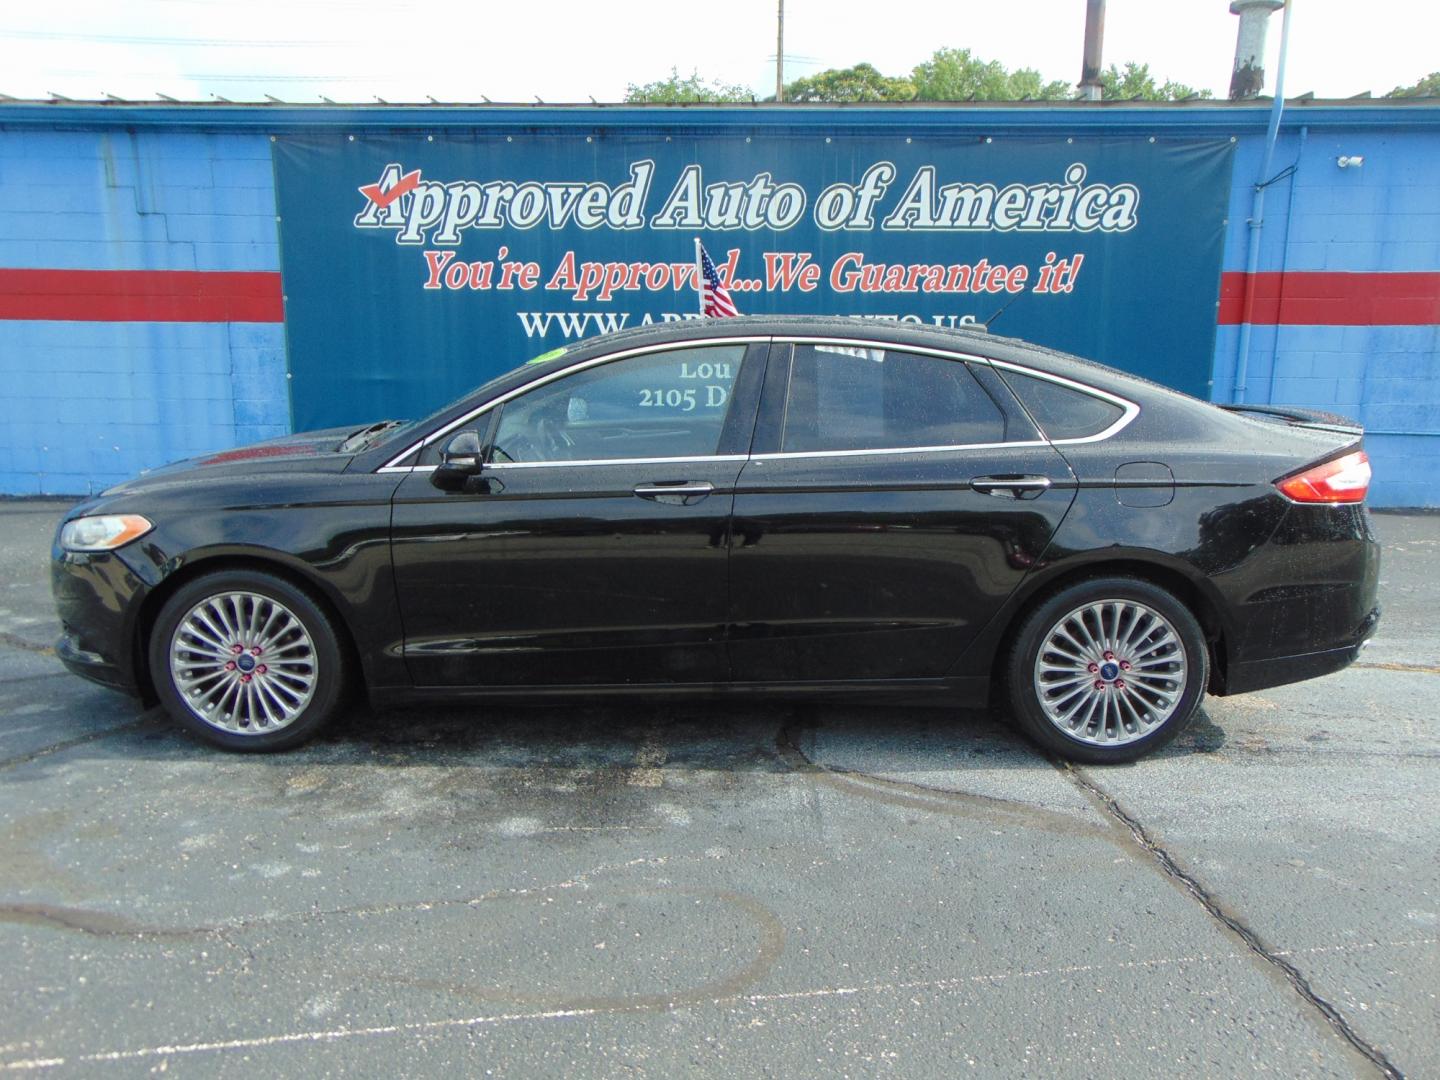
(675, 492)
(1012, 487)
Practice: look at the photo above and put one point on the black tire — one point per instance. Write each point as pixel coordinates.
(1024, 693)
(328, 683)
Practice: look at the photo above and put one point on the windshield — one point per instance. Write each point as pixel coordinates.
(553, 354)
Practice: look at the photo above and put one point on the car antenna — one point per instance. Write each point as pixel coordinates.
(1001, 311)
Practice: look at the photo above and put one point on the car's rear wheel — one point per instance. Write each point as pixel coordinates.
(247, 661)
(1107, 670)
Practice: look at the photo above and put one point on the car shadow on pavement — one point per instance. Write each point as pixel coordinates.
(754, 736)
(714, 734)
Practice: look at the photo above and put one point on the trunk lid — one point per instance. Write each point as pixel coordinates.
(1282, 440)
(1300, 417)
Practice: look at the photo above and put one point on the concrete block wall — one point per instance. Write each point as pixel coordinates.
(100, 385)
(90, 401)
(1359, 230)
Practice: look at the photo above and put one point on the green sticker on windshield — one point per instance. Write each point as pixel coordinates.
(551, 355)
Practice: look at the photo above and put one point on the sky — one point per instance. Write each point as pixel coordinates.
(567, 50)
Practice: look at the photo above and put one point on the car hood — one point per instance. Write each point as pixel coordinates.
(308, 451)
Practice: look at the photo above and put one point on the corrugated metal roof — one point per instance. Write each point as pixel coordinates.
(1306, 100)
(975, 117)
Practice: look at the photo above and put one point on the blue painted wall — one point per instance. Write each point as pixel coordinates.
(87, 404)
(1381, 216)
(191, 188)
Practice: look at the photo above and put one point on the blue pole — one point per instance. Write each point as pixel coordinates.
(1285, 254)
(1257, 212)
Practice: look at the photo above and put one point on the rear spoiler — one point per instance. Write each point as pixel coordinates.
(1295, 416)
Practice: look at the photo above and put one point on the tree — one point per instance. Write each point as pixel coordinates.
(949, 75)
(859, 83)
(1429, 86)
(677, 90)
(1137, 82)
(959, 75)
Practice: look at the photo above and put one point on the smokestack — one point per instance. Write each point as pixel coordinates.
(1248, 77)
(1094, 42)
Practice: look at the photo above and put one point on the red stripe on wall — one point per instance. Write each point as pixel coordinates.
(141, 295)
(1325, 298)
(1312, 298)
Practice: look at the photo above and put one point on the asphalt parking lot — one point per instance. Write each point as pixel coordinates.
(717, 889)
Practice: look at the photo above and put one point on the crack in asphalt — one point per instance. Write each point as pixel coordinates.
(105, 924)
(1276, 958)
(908, 794)
(79, 740)
(768, 949)
(7, 680)
(1423, 669)
(15, 641)
(789, 748)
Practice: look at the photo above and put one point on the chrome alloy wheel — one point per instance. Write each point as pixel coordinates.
(243, 663)
(1110, 672)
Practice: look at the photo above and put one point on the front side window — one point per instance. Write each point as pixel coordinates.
(659, 405)
(851, 398)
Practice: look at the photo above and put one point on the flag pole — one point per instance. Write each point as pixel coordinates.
(699, 277)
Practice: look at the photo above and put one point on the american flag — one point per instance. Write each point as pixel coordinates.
(714, 297)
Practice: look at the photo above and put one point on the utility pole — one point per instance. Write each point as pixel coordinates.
(1094, 43)
(780, 53)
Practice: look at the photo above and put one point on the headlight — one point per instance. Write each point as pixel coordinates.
(104, 532)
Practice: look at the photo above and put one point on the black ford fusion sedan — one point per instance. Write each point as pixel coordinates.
(754, 506)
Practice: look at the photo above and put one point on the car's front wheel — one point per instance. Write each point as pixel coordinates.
(1107, 670)
(247, 661)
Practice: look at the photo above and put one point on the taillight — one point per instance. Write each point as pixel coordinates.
(1343, 480)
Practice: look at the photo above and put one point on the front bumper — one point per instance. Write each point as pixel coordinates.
(92, 665)
(98, 599)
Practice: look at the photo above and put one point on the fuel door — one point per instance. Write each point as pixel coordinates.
(1144, 484)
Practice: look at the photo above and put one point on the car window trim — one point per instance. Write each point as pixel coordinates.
(883, 451)
(1130, 408)
(611, 461)
(393, 466)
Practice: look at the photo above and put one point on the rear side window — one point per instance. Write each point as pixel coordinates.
(1061, 412)
(852, 398)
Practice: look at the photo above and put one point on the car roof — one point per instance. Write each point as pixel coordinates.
(775, 325)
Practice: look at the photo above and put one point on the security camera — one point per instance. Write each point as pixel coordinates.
(1347, 161)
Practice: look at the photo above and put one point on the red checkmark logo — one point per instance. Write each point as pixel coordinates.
(406, 184)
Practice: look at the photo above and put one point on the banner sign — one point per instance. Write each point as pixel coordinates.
(416, 267)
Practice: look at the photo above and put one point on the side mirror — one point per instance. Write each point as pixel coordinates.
(462, 458)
